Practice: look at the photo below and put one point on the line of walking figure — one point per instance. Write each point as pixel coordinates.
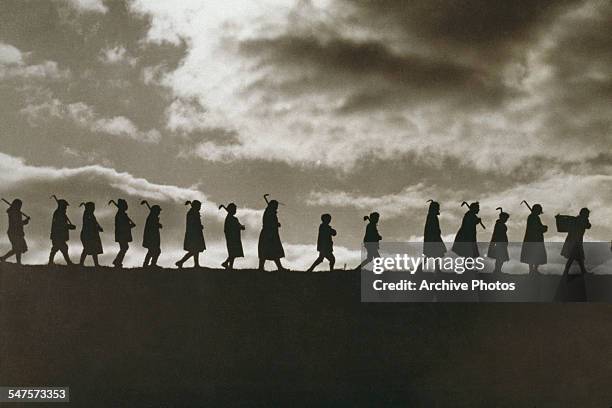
(270, 246)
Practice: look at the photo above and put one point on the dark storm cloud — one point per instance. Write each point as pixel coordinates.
(581, 82)
(416, 51)
(492, 27)
(378, 75)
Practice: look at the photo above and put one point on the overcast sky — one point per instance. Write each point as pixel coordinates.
(331, 106)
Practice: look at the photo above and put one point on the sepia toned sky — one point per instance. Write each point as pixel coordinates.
(331, 106)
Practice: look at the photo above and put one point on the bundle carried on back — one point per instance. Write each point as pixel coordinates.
(565, 223)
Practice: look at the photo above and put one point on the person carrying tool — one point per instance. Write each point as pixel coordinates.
(466, 243)
(123, 230)
(151, 237)
(60, 231)
(533, 251)
(90, 234)
(16, 234)
(232, 229)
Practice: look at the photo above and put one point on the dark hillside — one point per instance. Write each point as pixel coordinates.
(215, 338)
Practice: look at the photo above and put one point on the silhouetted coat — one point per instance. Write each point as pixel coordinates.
(533, 251)
(151, 237)
(232, 229)
(325, 243)
(573, 245)
(123, 227)
(194, 234)
(498, 247)
(465, 240)
(90, 235)
(270, 246)
(371, 240)
(15, 231)
(433, 246)
(60, 228)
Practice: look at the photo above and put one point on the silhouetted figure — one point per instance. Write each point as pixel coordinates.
(371, 239)
(533, 251)
(325, 243)
(465, 244)
(151, 237)
(498, 247)
(16, 235)
(433, 245)
(90, 234)
(573, 248)
(60, 231)
(123, 230)
(232, 229)
(194, 235)
(270, 247)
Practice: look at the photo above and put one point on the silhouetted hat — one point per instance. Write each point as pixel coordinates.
(17, 203)
(537, 208)
(502, 214)
(121, 203)
(434, 206)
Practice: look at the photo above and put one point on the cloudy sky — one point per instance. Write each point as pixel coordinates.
(328, 105)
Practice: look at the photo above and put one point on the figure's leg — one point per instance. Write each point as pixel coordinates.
(332, 262)
(147, 259)
(568, 264)
(18, 257)
(7, 255)
(262, 263)
(95, 259)
(230, 263)
(196, 259)
(582, 268)
(368, 259)
(315, 263)
(279, 265)
(181, 261)
(225, 264)
(82, 260)
(123, 247)
(64, 252)
(498, 266)
(52, 255)
(155, 257)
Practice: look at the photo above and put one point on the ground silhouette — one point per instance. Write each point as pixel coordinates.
(159, 337)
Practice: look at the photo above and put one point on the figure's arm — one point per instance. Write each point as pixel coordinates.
(332, 232)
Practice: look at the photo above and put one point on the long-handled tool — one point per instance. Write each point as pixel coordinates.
(22, 213)
(479, 220)
(67, 219)
(265, 196)
(528, 206)
(143, 202)
(117, 205)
